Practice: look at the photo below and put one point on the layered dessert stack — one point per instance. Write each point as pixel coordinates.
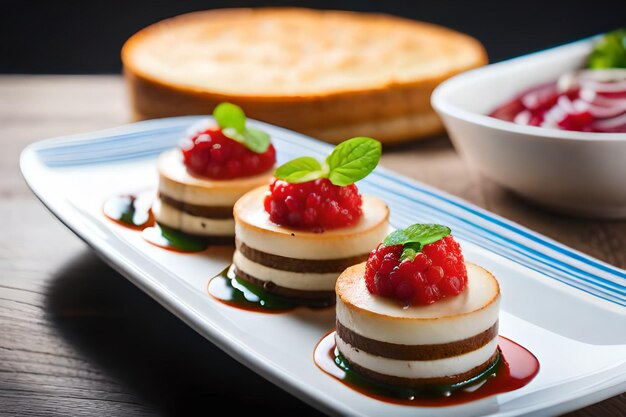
(218, 161)
(415, 314)
(296, 236)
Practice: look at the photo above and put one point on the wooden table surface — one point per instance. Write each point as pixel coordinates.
(76, 338)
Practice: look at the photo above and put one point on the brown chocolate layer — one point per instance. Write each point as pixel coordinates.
(296, 295)
(421, 382)
(416, 352)
(216, 240)
(210, 212)
(283, 263)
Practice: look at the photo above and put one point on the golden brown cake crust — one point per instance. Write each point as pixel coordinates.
(250, 214)
(351, 290)
(385, 93)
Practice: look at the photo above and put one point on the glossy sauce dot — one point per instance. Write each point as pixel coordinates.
(130, 210)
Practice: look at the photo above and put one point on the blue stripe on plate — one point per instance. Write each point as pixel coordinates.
(475, 225)
(507, 248)
(79, 146)
(488, 232)
(394, 181)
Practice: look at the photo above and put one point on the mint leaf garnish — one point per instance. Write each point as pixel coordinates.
(256, 140)
(353, 160)
(415, 237)
(232, 120)
(409, 251)
(609, 51)
(350, 161)
(228, 115)
(303, 169)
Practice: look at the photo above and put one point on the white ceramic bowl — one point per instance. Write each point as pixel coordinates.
(574, 172)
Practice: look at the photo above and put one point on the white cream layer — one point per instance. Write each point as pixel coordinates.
(254, 228)
(177, 183)
(176, 219)
(305, 281)
(418, 369)
(448, 320)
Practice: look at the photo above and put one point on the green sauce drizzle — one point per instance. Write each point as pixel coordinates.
(230, 289)
(409, 394)
(169, 238)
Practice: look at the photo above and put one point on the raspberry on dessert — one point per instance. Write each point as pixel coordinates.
(211, 154)
(314, 205)
(438, 271)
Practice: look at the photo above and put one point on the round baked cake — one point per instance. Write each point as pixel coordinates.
(328, 74)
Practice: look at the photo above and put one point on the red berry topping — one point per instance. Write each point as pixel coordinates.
(211, 154)
(314, 205)
(435, 273)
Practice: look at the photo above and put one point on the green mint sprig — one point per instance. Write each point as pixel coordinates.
(415, 237)
(609, 51)
(350, 161)
(232, 120)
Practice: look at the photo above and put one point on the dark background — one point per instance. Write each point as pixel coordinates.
(86, 36)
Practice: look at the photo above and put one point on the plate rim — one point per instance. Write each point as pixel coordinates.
(193, 318)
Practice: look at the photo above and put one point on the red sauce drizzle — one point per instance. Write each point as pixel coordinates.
(515, 369)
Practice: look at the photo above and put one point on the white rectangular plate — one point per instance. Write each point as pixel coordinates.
(565, 307)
